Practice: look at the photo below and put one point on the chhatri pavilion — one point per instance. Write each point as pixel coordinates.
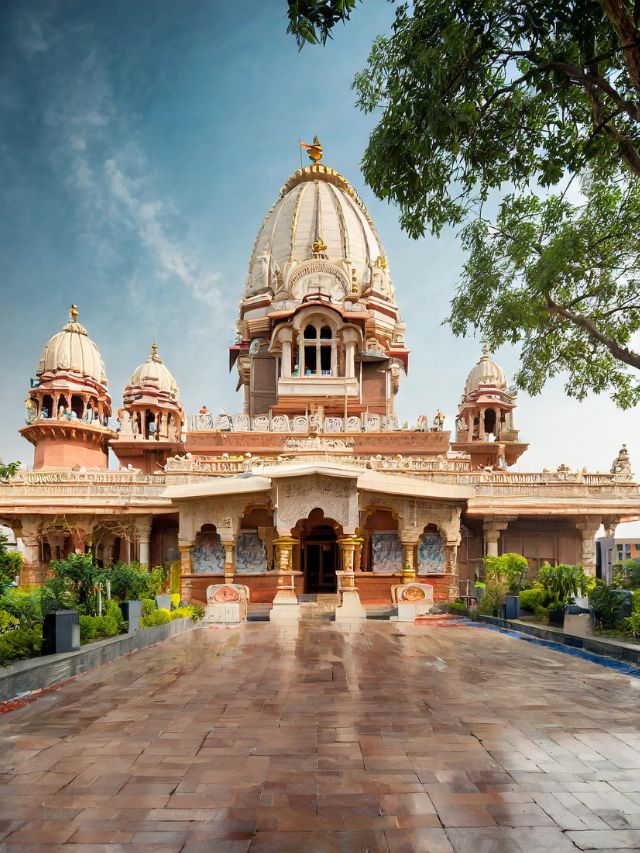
(315, 474)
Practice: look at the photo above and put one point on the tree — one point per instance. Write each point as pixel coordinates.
(10, 564)
(8, 471)
(541, 98)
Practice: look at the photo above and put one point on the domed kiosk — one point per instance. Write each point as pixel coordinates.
(68, 407)
(151, 417)
(484, 425)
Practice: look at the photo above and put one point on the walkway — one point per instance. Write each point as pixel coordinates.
(325, 738)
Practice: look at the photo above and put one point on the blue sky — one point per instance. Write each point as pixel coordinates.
(142, 143)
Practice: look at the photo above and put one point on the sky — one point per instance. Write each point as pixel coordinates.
(143, 141)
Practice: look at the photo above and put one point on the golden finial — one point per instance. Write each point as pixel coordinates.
(154, 350)
(73, 313)
(485, 350)
(314, 150)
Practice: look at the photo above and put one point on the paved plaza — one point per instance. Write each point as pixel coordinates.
(326, 737)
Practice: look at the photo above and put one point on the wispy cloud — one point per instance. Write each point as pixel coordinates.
(145, 216)
(94, 145)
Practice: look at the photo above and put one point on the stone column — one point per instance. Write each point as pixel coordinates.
(350, 365)
(451, 568)
(492, 530)
(143, 535)
(33, 571)
(186, 568)
(229, 559)
(285, 603)
(606, 567)
(285, 361)
(350, 606)
(481, 433)
(588, 527)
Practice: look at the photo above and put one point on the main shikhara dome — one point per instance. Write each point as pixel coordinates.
(318, 214)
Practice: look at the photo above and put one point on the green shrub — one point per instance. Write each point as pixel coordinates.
(24, 604)
(564, 582)
(87, 628)
(631, 625)
(606, 602)
(11, 563)
(128, 582)
(541, 613)
(458, 607)
(74, 584)
(19, 644)
(97, 627)
(507, 570)
(112, 608)
(175, 599)
(635, 601)
(198, 610)
(156, 617)
(155, 581)
(492, 601)
(148, 606)
(532, 598)
(185, 612)
(7, 621)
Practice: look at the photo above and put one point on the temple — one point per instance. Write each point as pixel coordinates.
(314, 487)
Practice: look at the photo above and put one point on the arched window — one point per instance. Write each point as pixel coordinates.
(77, 406)
(490, 421)
(317, 351)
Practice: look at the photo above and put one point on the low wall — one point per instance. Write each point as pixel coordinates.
(628, 652)
(373, 587)
(25, 676)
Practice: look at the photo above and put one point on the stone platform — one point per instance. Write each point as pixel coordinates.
(326, 737)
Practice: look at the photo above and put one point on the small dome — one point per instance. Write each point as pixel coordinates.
(153, 373)
(72, 351)
(485, 372)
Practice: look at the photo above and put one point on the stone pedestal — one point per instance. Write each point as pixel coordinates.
(413, 600)
(350, 606)
(226, 604)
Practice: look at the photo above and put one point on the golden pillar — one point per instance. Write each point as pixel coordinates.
(229, 560)
(186, 569)
(408, 562)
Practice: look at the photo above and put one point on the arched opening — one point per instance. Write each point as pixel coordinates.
(207, 555)
(317, 350)
(63, 407)
(382, 551)
(318, 552)
(47, 407)
(490, 421)
(431, 558)
(77, 406)
(254, 549)
(150, 426)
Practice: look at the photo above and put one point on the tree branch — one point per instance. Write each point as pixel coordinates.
(620, 353)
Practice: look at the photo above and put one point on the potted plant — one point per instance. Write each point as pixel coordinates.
(563, 584)
(507, 573)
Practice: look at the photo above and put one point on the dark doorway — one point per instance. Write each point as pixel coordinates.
(319, 558)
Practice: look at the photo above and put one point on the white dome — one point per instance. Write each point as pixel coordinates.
(318, 213)
(73, 351)
(485, 372)
(153, 372)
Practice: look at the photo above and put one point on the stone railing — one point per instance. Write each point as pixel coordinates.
(97, 484)
(303, 424)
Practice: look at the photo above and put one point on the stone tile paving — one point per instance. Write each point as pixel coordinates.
(325, 737)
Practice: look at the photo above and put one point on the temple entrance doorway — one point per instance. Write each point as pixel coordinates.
(319, 553)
